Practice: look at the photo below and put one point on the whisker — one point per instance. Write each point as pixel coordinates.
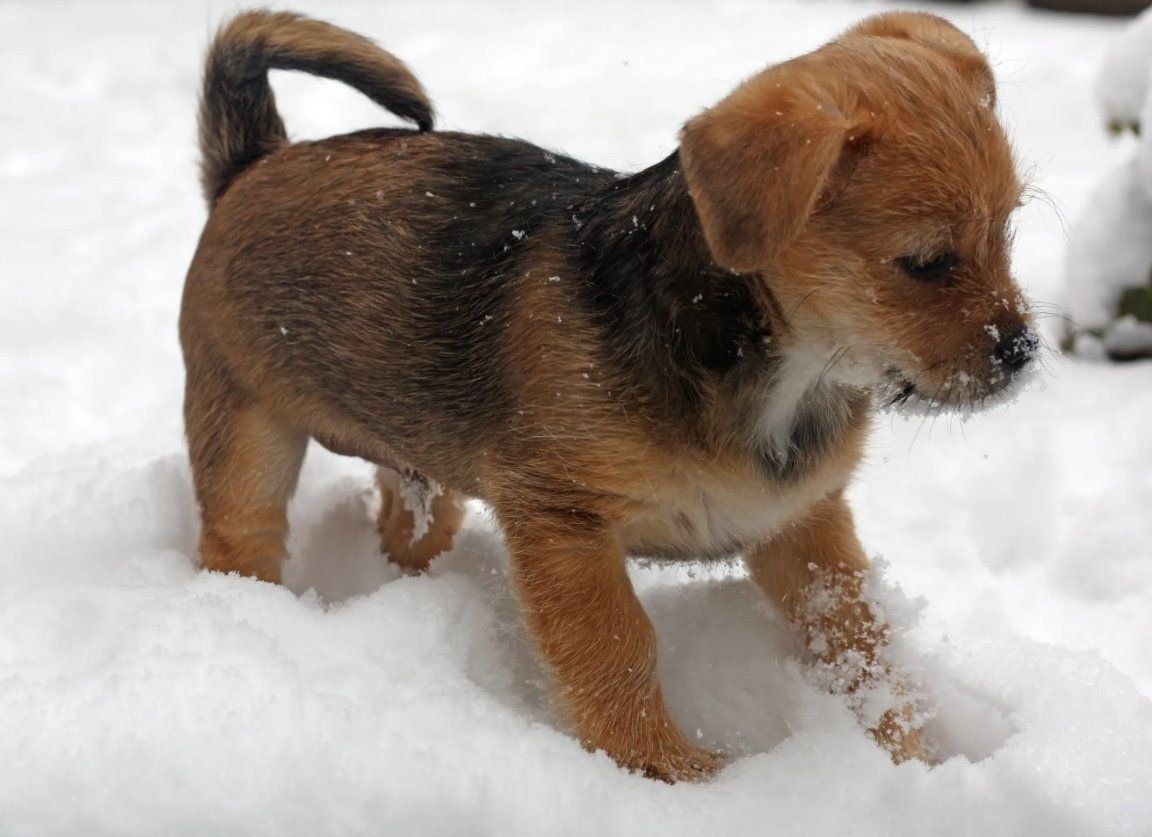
(836, 357)
(932, 401)
(1032, 192)
(804, 299)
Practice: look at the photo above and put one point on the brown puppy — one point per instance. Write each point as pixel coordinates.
(680, 363)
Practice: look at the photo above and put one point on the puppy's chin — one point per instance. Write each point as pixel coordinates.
(898, 384)
(959, 391)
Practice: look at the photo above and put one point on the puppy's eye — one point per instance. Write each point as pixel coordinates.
(929, 268)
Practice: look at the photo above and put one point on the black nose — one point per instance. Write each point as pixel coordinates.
(1014, 350)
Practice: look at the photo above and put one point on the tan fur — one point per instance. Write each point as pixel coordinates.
(822, 114)
(817, 555)
(399, 538)
(351, 291)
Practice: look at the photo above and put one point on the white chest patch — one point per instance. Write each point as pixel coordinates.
(795, 383)
(702, 510)
(707, 517)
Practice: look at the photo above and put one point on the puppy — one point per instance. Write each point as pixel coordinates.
(678, 363)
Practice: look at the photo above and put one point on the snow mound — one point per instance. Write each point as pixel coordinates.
(1111, 247)
(157, 698)
(1123, 84)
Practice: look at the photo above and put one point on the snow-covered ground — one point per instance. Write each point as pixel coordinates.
(141, 696)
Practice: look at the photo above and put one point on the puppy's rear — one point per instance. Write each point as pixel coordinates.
(364, 291)
(245, 452)
(238, 119)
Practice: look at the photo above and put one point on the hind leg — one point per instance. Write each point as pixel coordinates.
(245, 462)
(418, 517)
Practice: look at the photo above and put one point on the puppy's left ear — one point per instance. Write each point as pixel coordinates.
(937, 34)
(757, 163)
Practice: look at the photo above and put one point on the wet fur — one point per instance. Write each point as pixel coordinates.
(654, 364)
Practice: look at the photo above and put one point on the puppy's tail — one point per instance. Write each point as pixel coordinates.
(238, 118)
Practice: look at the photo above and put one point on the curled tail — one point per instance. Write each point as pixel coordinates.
(238, 118)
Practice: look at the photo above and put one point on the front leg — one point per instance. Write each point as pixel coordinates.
(814, 570)
(588, 624)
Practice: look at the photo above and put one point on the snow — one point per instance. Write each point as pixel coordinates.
(1129, 337)
(141, 696)
(418, 497)
(1111, 248)
(1123, 83)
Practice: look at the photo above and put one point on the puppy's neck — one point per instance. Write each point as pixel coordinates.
(672, 322)
(804, 409)
(698, 346)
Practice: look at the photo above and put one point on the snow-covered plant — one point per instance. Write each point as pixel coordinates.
(1109, 267)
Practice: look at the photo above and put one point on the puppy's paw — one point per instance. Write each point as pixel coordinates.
(896, 734)
(694, 765)
(418, 518)
(256, 556)
(651, 745)
(684, 764)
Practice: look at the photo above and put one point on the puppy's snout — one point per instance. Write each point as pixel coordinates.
(1014, 350)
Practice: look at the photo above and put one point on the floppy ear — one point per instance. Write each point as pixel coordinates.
(938, 34)
(757, 163)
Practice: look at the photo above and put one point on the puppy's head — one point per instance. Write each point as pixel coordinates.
(870, 185)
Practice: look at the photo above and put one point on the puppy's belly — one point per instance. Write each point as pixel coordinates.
(701, 521)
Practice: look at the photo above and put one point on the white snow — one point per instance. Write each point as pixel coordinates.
(1129, 337)
(418, 497)
(141, 696)
(1111, 247)
(1124, 76)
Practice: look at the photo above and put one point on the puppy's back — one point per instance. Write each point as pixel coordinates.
(376, 275)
